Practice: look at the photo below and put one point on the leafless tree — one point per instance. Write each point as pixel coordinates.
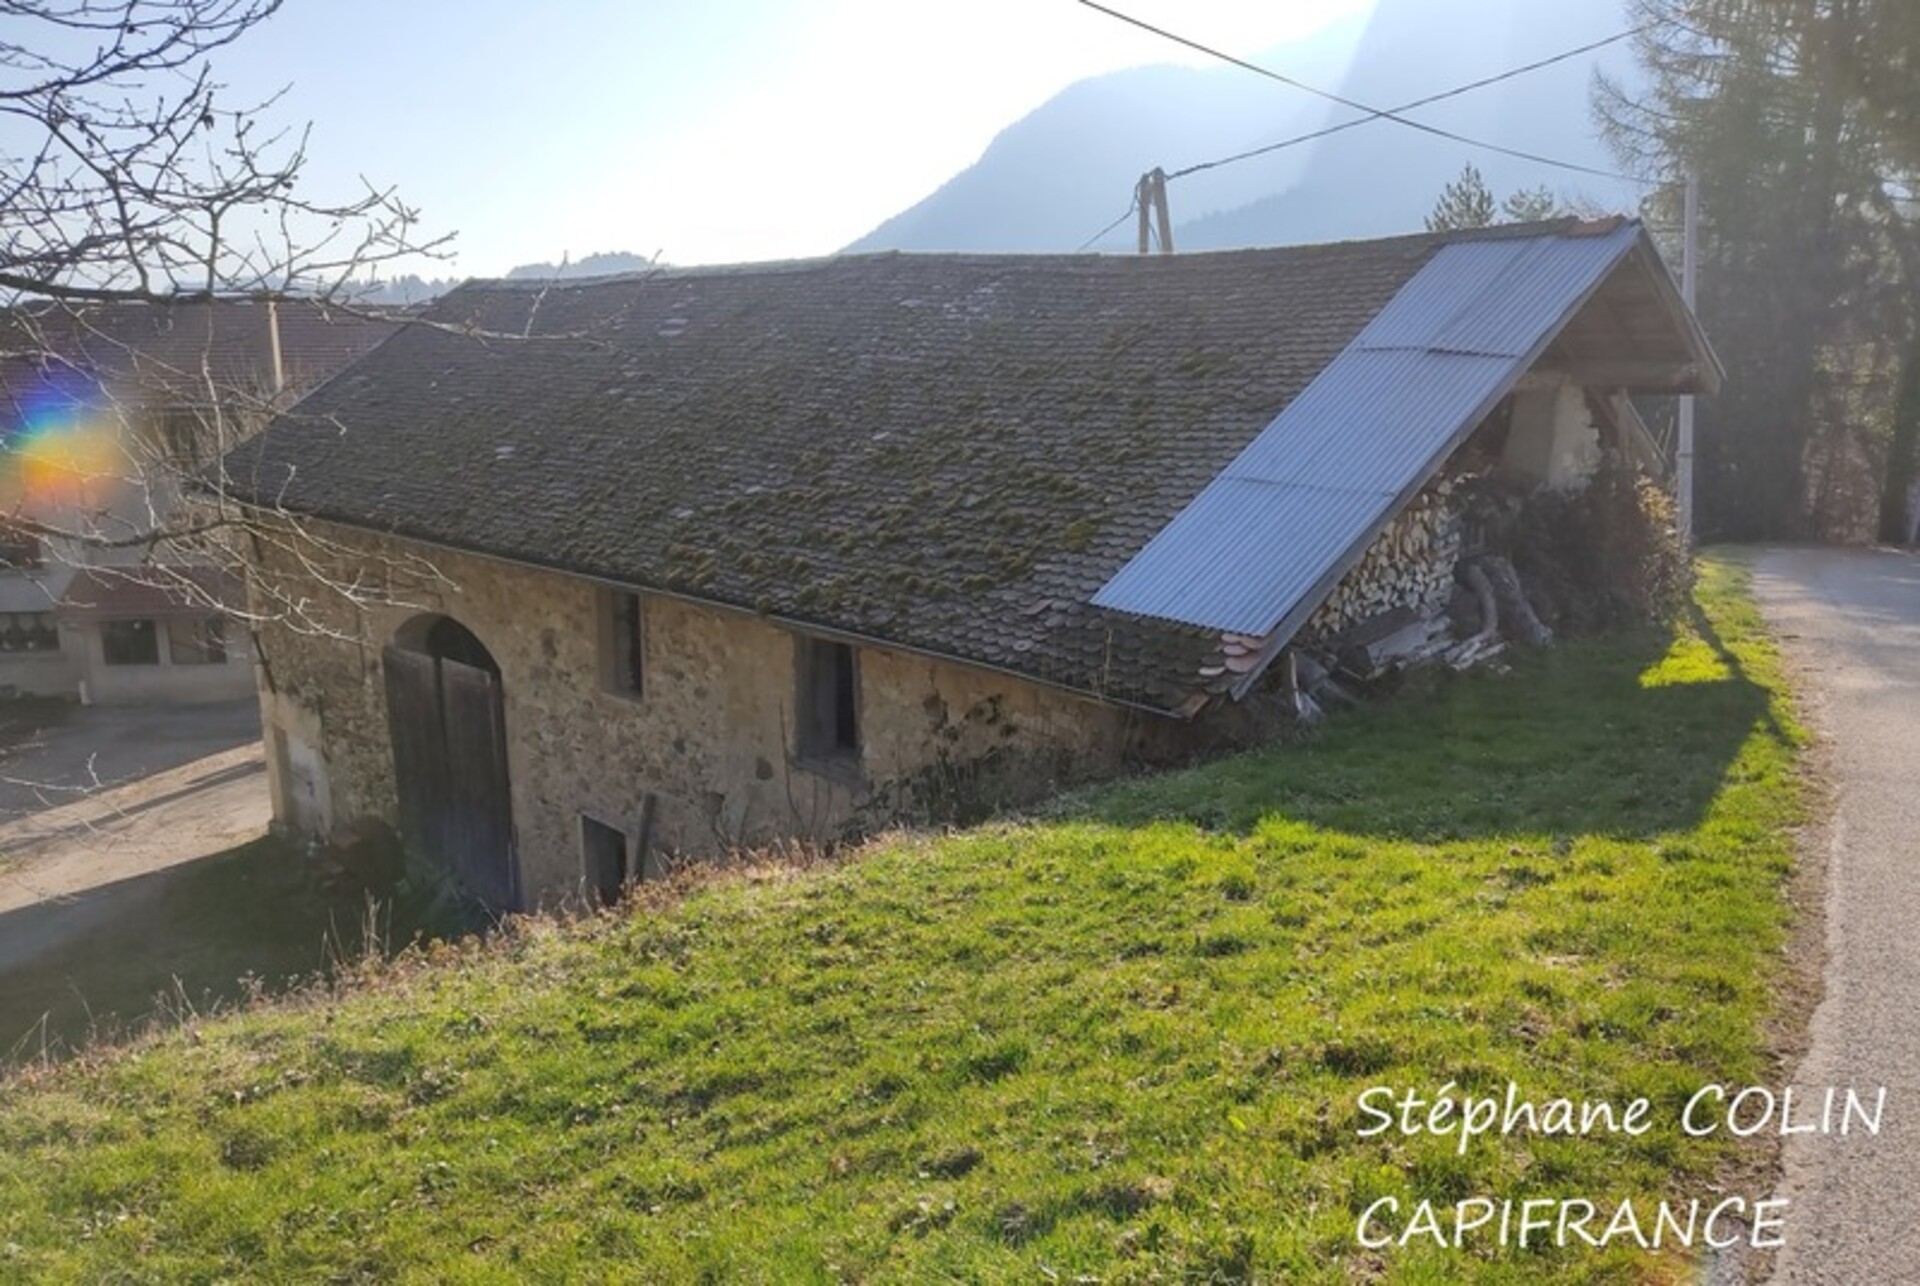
(126, 175)
(133, 181)
(129, 177)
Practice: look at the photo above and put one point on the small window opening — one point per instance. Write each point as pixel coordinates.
(603, 851)
(829, 707)
(198, 641)
(130, 643)
(625, 645)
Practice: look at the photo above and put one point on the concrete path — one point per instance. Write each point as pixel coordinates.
(1850, 623)
(114, 794)
(106, 746)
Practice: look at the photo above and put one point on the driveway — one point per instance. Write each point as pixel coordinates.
(1850, 623)
(110, 745)
(114, 793)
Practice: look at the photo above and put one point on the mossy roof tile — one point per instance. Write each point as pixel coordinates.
(914, 448)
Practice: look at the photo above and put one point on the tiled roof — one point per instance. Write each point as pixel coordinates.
(162, 353)
(110, 593)
(947, 453)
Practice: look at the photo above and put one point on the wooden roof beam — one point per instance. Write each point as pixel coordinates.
(1634, 376)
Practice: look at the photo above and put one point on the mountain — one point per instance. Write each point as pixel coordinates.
(604, 264)
(403, 291)
(413, 289)
(1051, 180)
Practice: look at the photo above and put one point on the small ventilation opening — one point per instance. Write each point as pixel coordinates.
(829, 701)
(603, 850)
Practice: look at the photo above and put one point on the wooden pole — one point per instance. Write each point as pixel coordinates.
(1159, 179)
(1689, 281)
(1143, 202)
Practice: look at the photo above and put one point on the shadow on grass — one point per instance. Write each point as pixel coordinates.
(1575, 741)
(191, 939)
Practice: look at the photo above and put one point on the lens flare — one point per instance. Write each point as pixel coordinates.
(63, 439)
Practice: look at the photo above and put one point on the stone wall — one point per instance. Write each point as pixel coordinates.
(712, 738)
(1554, 441)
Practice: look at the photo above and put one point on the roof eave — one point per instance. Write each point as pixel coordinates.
(1707, 373)
(1183, 712)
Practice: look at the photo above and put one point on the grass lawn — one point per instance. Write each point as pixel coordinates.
(1119, 1042)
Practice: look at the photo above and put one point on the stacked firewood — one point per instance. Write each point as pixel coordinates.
(1411, 564)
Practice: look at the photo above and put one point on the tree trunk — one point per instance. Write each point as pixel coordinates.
(1903, 449)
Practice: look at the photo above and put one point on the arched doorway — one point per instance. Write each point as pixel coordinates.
(448, 725)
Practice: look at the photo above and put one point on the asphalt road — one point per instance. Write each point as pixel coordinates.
(1850, 623)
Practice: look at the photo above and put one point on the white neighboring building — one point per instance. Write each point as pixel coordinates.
(103, 411)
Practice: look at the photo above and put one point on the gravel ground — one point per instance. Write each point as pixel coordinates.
(1850, 623)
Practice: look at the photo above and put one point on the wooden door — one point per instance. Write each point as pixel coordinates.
(413, 723)
(450, 772)
(479, 829)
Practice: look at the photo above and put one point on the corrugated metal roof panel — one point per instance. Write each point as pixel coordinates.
(1454, 282)
(1369, 420)
(1317, 484)
(1536, 294)
(1273, 528)
(1290, 532)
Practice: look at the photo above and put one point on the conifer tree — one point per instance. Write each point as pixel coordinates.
(1750, 94)
(1464, 203)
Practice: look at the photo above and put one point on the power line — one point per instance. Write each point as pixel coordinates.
(1372, 113)
(1455, 92)
(1131, 207)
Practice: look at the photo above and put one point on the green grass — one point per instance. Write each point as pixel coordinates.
(1123, 1040)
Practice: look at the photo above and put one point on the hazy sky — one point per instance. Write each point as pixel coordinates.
(706, 130)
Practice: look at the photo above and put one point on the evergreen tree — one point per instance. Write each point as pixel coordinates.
(1465, 203)
(1748, 93)
(1880, 66)
(1531, 205)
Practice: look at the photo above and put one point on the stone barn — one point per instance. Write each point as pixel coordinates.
(572, 578)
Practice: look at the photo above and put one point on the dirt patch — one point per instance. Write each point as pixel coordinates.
(137, 882)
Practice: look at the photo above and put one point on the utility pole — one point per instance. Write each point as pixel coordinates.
(1150, 198)
(1689, 283)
